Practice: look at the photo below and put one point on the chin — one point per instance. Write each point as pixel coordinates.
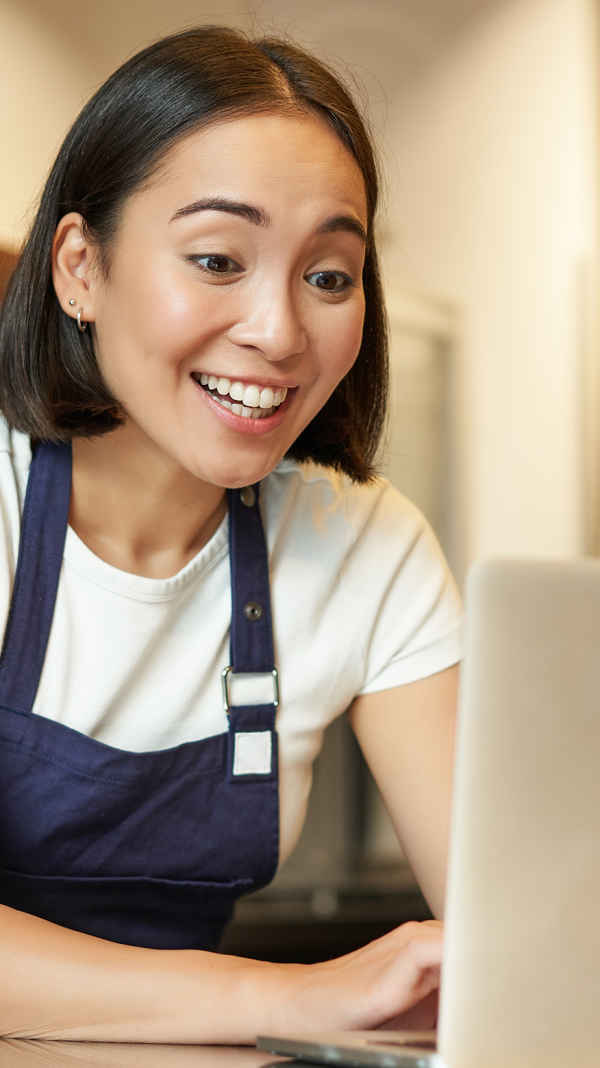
(238, 476)
(244, 469)
(238, 480)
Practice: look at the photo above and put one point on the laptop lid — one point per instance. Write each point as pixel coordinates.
(521, 976)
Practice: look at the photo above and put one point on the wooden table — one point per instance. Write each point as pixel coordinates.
(18, 1053)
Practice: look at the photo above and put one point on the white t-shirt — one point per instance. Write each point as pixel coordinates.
(362, 600)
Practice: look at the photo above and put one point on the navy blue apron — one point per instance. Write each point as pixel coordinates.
(149, 849)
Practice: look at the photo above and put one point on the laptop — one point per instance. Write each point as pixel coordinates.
(521, 972)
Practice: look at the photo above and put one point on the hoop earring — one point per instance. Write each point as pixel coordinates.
(81, 326)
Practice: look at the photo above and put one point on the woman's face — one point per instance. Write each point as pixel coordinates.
(234, 302)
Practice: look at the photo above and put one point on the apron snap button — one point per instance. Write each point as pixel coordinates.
(253, 611)
(248, 496)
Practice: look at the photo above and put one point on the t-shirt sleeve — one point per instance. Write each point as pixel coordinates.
(416, 630)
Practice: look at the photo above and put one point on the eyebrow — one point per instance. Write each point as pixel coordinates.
(232, 207)
(348, 223)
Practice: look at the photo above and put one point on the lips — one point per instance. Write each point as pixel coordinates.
(255, 421)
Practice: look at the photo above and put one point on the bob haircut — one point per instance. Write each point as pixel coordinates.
(50, 383)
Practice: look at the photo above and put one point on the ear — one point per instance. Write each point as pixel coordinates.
(74, 267)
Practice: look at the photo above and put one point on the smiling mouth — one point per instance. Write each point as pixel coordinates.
(247, 401)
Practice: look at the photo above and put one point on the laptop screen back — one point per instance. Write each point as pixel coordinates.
(521, 977)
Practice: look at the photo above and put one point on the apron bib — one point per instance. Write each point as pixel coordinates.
(148, 849)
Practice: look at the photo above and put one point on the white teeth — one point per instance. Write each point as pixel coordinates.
(251, 397)
(246, 413)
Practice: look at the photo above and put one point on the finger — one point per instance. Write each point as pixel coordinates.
(421, 1017)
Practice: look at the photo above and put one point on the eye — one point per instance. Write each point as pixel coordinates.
(330, 281)
(215, 263)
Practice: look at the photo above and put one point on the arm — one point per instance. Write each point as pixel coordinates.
(407, 737)
(60, 984)
(66, 985)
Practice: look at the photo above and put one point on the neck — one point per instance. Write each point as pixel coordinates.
(138, 510)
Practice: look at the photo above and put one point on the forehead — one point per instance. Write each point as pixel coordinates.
(290, 161)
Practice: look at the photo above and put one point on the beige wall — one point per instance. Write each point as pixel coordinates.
(494, 206)
(42, 87)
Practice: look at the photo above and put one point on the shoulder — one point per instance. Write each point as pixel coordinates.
(15, 461)
(334, 498)
(328, 508)
(15, 456)
(361, 565)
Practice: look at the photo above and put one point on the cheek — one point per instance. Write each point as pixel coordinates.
(156, 317)
(163, 308)
(340, 344)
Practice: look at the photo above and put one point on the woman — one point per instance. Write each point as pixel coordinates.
(198, 300)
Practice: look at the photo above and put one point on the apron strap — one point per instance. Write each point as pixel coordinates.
(41, 547)
(252, 737)
(251, 642)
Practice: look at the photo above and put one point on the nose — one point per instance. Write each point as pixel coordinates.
(272, 324)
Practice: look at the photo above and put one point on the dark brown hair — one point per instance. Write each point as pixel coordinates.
(50, 383)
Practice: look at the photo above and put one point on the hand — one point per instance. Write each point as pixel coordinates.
(390, 982)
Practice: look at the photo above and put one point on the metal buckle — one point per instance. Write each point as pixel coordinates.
(226, 672)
